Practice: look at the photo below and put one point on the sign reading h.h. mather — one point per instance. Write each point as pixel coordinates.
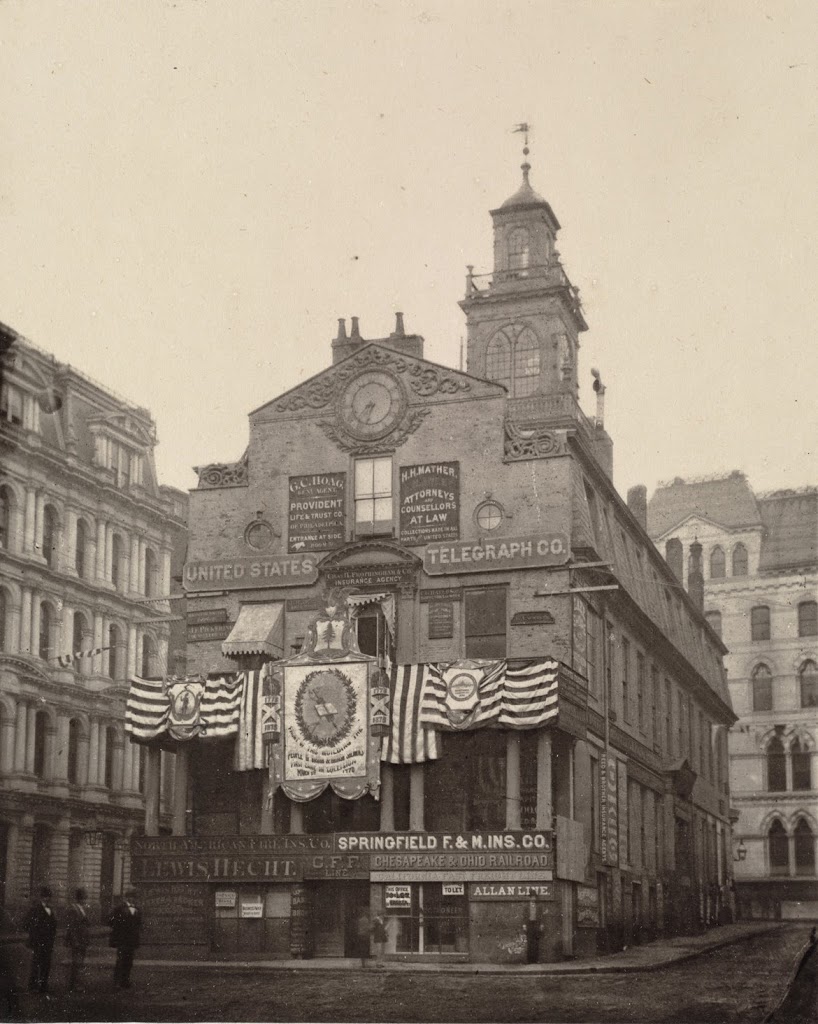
(506, 553)
(250, 573)
(317, 512)
(430, 502)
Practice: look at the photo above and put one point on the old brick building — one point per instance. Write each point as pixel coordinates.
(469, 523)
(87, 543)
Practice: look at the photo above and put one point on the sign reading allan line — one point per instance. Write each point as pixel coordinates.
(508, 553)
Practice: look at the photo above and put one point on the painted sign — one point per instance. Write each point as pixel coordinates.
(337, 865)
(452, 889)
(387, 575)
(300, 913)
(440, 594)
(429, 502)
(517, 891)
(317, 512)
(485, 556)
(398, 897)
(623, 815)
(252, 906)
(453, 862)
(209, 868)
(200, 632)
(431, 842)
(609, 817)
(529, 876)
(441, 620)
(207, 615)
(226, 898)
(250, 573)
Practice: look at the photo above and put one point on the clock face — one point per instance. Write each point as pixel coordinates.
(372, 404)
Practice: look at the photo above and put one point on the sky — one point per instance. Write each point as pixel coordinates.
(194, 191)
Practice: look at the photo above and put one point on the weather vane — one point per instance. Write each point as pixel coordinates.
(524, 127)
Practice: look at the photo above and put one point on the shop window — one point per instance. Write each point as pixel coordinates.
(445, 919)
(11, 404)
(739, 560)
(804, 842)
(776, 766)
(718, 568)
(762, 685)
(465, 791)
(801, 765)
(50, 535)
(808, 618)
(485, 623)
(518, 249)
(778, 844)
(808, 680)
(760, 623)
(373, 497)
(714, 620)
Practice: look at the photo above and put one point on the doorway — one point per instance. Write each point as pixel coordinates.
(336, 907)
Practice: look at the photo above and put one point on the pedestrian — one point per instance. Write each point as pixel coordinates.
(41, 924)
(77, 936)
(126, 926)
(379, 937)
(362, 932)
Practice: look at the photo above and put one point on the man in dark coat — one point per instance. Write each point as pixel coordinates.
(126, 926)
(77, 936)
(41, 924)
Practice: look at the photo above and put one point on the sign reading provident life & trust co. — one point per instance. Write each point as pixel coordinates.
(506, 553)
(250, 573)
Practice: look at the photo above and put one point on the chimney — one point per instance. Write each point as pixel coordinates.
(355, 334)
(695, 576)
(399, 331)
(638, 504)
(342, 329)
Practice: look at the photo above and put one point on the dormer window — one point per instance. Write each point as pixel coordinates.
(518, 250)
(11, 404)
(126, 463)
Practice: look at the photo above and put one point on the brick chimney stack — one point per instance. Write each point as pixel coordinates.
(695, 576)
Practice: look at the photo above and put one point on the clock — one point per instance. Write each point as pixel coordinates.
(372, 404)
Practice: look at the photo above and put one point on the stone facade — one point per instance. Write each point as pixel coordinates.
(760, 560)
(87, 552)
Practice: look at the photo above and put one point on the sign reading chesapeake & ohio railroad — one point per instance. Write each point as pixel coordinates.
(317, 512)
(250, 573)
(429, 502)
(485, 556)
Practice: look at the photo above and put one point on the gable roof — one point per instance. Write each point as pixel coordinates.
(728, 501)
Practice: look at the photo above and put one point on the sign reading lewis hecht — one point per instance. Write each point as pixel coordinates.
(317, 511)
(430, 502)
(508, 553)
(248, 573)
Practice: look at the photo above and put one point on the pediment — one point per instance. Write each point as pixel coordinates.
(383, 552)
(124, 426)
(424, 382)
(26, 372)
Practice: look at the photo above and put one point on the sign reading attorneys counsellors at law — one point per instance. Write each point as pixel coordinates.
(507, 553)
(250, 573)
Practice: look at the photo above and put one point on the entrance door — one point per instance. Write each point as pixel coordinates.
(336, 907)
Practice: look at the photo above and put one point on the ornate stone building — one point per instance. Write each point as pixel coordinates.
(759, 556)
(87, 543)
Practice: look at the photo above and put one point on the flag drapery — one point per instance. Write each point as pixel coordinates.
(148, 709)
(72, 656)
(250, 752)
(408, 741)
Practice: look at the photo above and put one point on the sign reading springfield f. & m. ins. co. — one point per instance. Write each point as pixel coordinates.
(485, 555)
(250, 573)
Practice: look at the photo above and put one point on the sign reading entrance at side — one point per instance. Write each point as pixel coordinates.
(317, 512)
(484, 556)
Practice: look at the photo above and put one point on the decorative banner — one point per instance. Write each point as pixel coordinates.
(250, 573)
(486, 556)
(429, 502)
(317, 512)
(462, 694)
(185, 708)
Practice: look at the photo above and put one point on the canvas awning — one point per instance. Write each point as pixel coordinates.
(259, 629)
(385, 600)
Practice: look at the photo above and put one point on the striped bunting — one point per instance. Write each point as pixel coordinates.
(441, 710)
(219, 713)
(68, 659)
(409, 742)
(147, 710)
(529, 695)
(249, 747)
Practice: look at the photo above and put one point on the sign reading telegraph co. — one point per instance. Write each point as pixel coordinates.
(486, 556)
(250, 573)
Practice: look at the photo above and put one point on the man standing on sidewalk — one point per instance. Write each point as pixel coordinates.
(126, 927)
(77, 936)
(41, 924)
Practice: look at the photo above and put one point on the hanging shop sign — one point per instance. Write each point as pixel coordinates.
(623, 814)
(317, 512)
(429, 502)
(485, 556)
(511, 891)
(436, 842)
(609, 817)
(250, 573)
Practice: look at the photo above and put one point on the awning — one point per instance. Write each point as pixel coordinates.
(259, 629)
(385, 600)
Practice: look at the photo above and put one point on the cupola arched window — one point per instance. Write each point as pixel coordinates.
(778, 843)
(776, 766)
(717, 564)
(762, 685)
(513, 360)
(804, 841)
(740, 560)
(519, 249)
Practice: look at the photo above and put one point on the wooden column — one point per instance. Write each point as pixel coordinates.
(513, 796)
(416, 798)
(544, 808)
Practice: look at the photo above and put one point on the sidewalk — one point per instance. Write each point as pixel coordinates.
(650, 957)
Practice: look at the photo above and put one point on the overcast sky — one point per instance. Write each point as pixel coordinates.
(193, 192)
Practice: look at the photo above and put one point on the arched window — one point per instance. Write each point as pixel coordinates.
(760, 622)
(808, 618)
(151, 580)
(776, 766)
(804, 848)
(801, 765)
(518, 249)
(44, 639)
(779, 849)
(717, 564)
(110, 739)
(148, 651)
(808, 679)
(80, 549)
(762, 683)
(50, 535)
(526, 364)
(674, 556)
(40, 727)
(498, 360)
(78, 635)
(2, 620)
(739, 560)
(73, 770)
(714, 618)
(116, 561)
(113, 651)
(5, 517)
